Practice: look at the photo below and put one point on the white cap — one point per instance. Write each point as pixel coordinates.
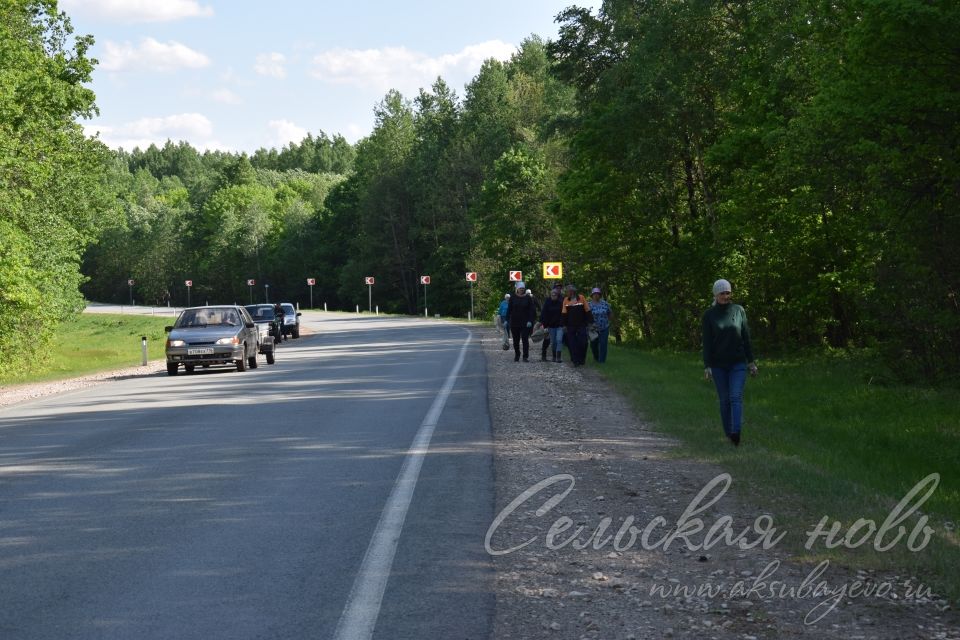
(720, 286)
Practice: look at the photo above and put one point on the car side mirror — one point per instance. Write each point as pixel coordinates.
(168, 328)
(249, 325)
(299, 314)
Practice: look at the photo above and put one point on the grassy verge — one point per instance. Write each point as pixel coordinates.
(819, 440)
(96, 342)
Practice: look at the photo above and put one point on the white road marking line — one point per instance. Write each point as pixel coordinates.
(360, 614)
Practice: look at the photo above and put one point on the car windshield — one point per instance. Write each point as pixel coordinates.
(261, 314)
(288, 308)
(208, 317)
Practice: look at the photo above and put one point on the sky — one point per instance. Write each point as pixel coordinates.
(238, 75)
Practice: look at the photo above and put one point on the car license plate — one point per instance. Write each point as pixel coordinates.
(203, 351)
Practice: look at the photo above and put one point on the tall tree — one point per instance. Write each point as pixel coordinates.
(52, 192)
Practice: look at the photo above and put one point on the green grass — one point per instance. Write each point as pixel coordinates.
(96, 342)
(818, 439)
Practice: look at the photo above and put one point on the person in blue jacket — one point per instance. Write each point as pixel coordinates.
(504, 326)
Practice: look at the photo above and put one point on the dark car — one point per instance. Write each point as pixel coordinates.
(212, 335)
(291, 320)
(266, 318)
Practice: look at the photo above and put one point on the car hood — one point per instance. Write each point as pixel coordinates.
(194, 335)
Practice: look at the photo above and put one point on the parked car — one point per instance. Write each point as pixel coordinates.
(291, 320)
(212, 335)
(267, 320)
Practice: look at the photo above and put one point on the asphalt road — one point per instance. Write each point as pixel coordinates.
(243, 505)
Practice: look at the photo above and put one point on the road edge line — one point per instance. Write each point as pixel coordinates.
(359, 617)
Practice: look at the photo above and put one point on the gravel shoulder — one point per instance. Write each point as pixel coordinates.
(551, 419)
(16, 393)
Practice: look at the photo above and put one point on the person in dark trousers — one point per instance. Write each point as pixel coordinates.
(727, 356)
(521, 314)
(279, 313)
(551, 317)
(576, 318)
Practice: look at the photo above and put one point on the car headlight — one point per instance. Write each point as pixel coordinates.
(233, 340)
(176, 343)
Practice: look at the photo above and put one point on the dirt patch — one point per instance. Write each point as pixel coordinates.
(552, 421)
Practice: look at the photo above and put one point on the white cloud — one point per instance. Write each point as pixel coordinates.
(195, 128)
(137, 10)
(403, 69)
(285, 132)
(225, 96)
(271, 64)
(150, 55)
(354, 132)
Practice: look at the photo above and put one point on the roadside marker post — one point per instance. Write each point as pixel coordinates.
(471, 278)
(369, 281)
(425, 280)
(310, 283)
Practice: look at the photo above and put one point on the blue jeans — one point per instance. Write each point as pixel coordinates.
(730, 382)
(599, 346)
(556, 339)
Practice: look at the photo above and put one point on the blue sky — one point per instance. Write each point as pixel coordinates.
(240, 75)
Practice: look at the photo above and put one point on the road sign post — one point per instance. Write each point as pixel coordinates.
(189, 284)
(266, 292)
(471, 278)
(369, 281)
(250, 283)
(130, 284)
(425, 280)
(310, 283)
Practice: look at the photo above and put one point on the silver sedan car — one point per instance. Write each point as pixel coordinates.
(213, 335)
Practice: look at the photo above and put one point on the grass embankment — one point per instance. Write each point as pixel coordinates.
(96, 342)
(819, 440)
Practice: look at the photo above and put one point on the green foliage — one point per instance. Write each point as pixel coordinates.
(52, 192)
(804, 151)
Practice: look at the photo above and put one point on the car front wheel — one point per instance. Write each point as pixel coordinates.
(242, 364)
(172, 368)
(270, 357)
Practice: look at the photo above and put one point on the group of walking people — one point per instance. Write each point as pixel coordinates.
(566, 317)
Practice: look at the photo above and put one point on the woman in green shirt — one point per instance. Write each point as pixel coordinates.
(727, 356)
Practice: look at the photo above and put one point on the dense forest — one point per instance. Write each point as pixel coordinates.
(807, 151)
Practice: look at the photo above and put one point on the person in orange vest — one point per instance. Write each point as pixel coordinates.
(577, 316)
